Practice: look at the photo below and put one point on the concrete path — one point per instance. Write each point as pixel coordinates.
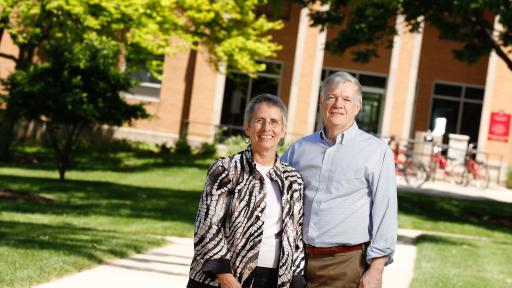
(168, 267)
(445, 189)
(158, 268)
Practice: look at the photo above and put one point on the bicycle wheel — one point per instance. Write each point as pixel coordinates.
(480, 177)
(456, 173)
(415, 174)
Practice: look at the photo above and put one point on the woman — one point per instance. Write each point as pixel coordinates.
(248, 229)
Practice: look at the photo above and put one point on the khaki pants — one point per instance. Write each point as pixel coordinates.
(342, 270)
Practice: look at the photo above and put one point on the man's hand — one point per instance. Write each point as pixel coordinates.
(227, 280)
(372, 278)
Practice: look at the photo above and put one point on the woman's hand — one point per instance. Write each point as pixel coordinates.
(227, 280)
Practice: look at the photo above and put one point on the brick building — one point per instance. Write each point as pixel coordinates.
(404, 89)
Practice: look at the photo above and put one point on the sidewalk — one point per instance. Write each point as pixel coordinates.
(445, 189)
(168, 267)
(158, 268)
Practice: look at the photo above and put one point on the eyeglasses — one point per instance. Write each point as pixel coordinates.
(260, 122)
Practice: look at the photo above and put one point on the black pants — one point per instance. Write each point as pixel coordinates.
(265, 277)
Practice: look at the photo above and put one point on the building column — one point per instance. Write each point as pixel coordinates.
(306, 74)
(401, 87)
(205, 100)
(497, 98)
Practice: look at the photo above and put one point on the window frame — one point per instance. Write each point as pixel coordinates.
(461, 100)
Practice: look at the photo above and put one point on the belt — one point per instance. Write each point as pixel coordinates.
(312, 250)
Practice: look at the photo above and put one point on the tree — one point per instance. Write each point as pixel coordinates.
(77, 86)
(143, 30)
(369, 23)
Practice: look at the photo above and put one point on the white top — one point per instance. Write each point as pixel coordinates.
(272, 222)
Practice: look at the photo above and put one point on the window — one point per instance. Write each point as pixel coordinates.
(148, 87)
(239, 90)
(374, 88)
(461, 106)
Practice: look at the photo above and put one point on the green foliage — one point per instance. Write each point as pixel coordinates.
(78, 86)
(509, 179)
(370, 23)
(282, 148)
(235, 144)
(207, 149)
(142, 32)
(230, 30)
(182, 148)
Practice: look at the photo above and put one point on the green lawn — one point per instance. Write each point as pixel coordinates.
(454, 262)
(457, 261)
(121, 196)
(113, 205)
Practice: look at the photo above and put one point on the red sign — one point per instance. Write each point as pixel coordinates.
(499, 128)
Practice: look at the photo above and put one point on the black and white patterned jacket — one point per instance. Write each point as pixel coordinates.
(229, 225)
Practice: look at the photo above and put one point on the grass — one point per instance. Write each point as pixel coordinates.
(488, 219)
(113, 205)
(455, 262)
(480, 253)
(509, 179)
(121, 196)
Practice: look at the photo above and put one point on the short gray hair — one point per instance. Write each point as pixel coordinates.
(340, 78)
(267, 99)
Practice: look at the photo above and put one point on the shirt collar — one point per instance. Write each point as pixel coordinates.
(342, 138)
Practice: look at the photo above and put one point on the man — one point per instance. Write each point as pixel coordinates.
(350, 204)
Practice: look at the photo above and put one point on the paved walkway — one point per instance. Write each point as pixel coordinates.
(161, 267)
(445, 189)
(168, 266)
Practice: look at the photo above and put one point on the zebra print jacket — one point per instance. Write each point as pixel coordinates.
(229, 227)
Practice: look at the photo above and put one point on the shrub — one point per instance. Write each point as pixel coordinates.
(509, 179)
(207, 149)
(235, 144)
(282, 148)
(164, 149)
(181, 147)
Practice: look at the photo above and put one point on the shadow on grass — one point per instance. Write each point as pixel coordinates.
(443, 240)
(97, 198)
(492, 215)
(117, 162)
(91, 244)
(117, 156)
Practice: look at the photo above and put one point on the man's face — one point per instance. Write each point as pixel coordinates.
(339, 105)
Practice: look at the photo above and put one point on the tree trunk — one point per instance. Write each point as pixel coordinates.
(62, 173)
(6, 136)
(64, 149)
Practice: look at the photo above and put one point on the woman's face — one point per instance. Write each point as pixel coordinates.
(266, 128)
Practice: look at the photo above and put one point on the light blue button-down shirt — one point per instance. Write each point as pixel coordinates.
(350, 191)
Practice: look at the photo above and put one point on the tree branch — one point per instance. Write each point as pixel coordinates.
(488, 35)
(9, 56)
(502, 54)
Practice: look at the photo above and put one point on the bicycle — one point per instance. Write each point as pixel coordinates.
(414, 172)
(452, 170)
(475, 171)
